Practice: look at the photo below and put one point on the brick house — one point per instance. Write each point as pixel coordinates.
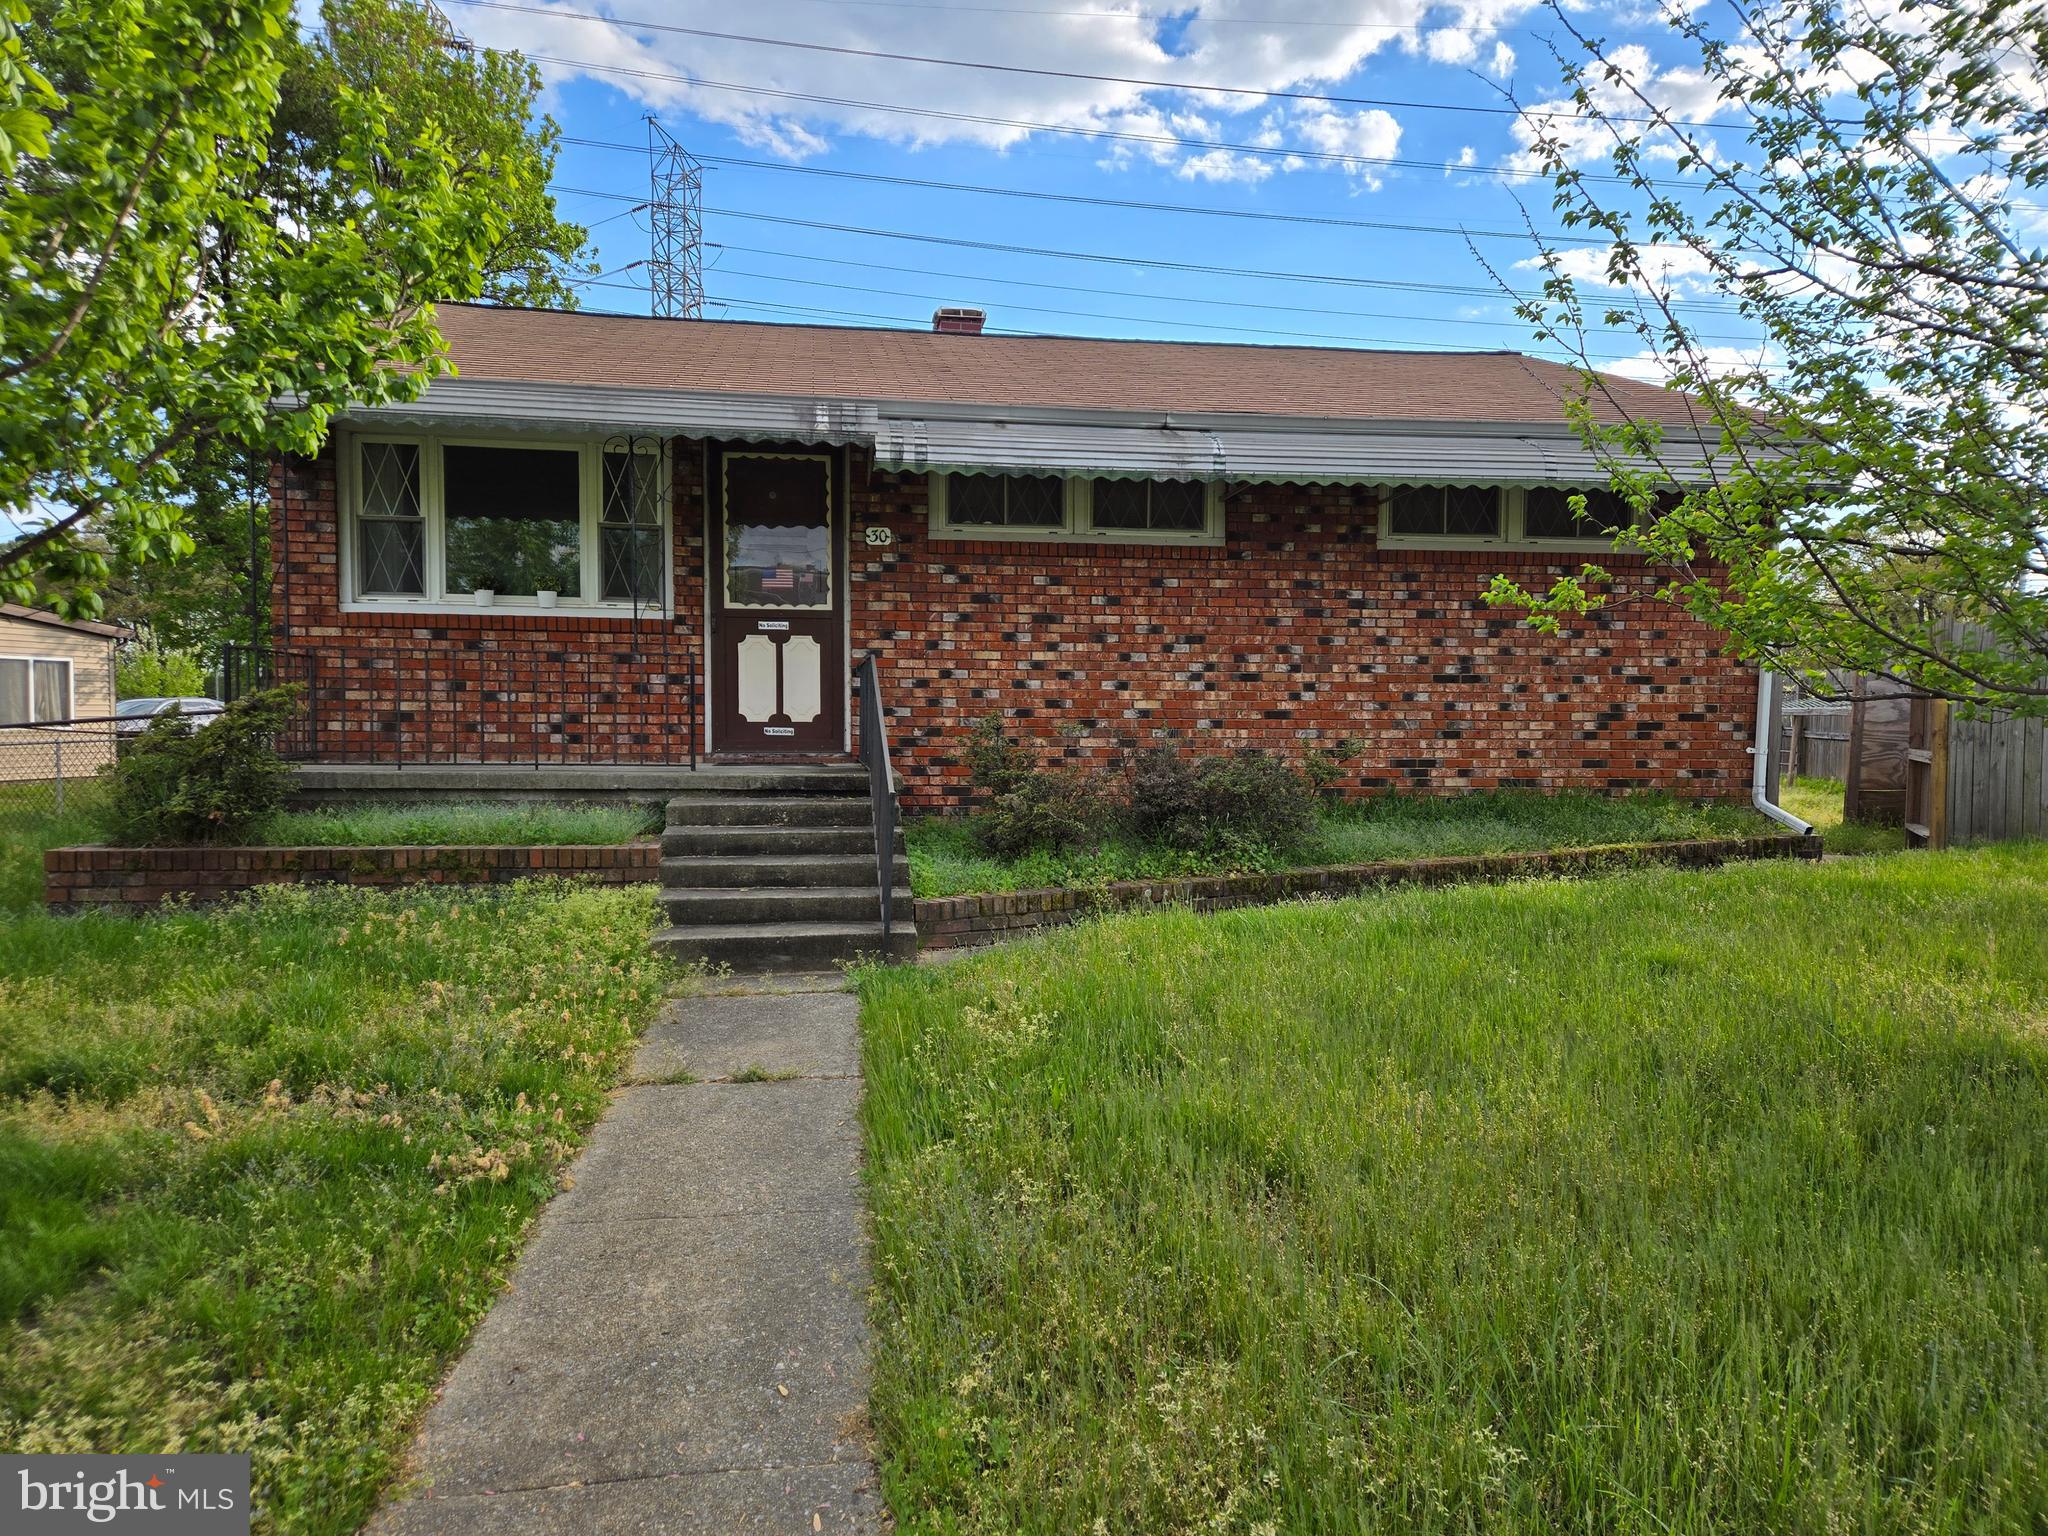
(612, 540)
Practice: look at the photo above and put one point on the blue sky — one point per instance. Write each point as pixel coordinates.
(1444, 72)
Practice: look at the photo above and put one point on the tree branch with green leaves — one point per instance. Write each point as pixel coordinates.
(1866, 491)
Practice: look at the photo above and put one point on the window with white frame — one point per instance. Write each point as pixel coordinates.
(34, 689)
(444, 519)
(1077, 507)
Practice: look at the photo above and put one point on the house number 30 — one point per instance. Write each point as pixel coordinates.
(876, 537)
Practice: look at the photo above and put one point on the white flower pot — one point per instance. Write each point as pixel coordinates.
(545, 599)
(485, 596)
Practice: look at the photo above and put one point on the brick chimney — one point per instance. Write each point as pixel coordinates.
(958, 321)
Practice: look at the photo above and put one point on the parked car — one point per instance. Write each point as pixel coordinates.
(132, 716)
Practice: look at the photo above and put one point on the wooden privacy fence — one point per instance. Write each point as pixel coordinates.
(1994, 780)
(1816, 738)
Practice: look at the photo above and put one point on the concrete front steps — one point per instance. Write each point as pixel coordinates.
(773, 869)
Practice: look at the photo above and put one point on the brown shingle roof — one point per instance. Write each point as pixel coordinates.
(84, 626)
(834, 362)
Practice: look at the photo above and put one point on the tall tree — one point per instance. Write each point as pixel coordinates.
(481, 105)
(1876, 498)
(160, 286)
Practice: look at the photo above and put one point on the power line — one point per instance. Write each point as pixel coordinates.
(1141, 82)
(983, 279)
(1179, 15)
(918, 320)
(983, 189)
(1097, 314)
(1458, 290)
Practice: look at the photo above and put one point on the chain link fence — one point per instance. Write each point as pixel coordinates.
(54, 770)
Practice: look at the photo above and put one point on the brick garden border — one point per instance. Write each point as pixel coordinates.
(952, 921)
(138, 879)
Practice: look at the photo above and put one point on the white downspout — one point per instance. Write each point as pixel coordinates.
(1760, 764)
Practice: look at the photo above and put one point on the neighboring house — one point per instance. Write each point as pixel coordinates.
(607, 538)
(54, 669)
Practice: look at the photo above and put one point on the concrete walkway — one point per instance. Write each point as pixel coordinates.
(684, 1348)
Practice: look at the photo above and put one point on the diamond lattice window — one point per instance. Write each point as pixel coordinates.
(390, 531)
(629, 532)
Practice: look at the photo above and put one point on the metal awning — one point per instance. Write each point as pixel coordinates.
(498, 405)
(1236, 453)
(1046, 440)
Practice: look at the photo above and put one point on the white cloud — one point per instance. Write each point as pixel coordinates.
(1369, 135)
(1683, 93)
(1226, 165)
(1229, 42)
(1503, 63)
(1450, 45)
(1670, 268)
(1717, 362)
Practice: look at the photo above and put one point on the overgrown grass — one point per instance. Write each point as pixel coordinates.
(1819, 801)
(262, 1168)
(460, 824)
(1674, 1202)
(31, 824)
(946, 857)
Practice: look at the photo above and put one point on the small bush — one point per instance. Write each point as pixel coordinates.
(1026, 806)
(1242, 803)
(1047, 809)
(215, 780)
(996, 764)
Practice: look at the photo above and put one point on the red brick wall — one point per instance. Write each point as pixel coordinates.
(1298, 632)
(490, 685)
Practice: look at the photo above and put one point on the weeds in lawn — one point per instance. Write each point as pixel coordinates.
(1677, 1202)
(947, 858)
(262, 1168)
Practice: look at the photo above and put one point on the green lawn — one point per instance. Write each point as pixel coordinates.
(262, 1168)
(1820, 802)
(29, 824)
(365, 825)
(1671, 1202)
(947, 860)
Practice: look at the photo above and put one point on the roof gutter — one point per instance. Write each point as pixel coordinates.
(1760, 764)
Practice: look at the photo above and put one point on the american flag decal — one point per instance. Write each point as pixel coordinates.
(781, 579)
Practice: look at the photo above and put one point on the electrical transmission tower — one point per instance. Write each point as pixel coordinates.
(675, 265)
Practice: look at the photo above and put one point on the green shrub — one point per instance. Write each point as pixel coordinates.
(144, 672)
(996, 764)
(1026, 806)
(1048, 808)
(1246, 802)
(187, 780)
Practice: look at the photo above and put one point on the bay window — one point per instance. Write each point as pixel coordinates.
(524, 522)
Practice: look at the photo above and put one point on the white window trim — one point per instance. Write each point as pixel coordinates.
(70, 684)
(1076, 527)
(433, 529)
(1513, 505)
